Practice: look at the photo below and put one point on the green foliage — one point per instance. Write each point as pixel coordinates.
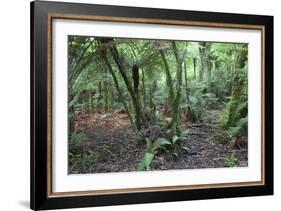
(199, 103)
(93, 155)
(236, 123)
(235, 115)
(237, 112)
(145, 162)
(77, 137)
(155, 146)
(230, 161)
(223, 118)
(173, 144)
(152, 149)
(234, 131)
(82, 162)
(209, 100)
(74, 157)
(178, 147)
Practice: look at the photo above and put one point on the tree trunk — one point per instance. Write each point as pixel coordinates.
(105, 89)
(194, 68)
(236, 87)
(90, 104)
(169, 81)
(135, 73)
(99, 103)
(185, 82)
(152, 107)
(143, 88)
(209, 73)
(202, 49)
(136, 101)
(176, 104)
(119, 91)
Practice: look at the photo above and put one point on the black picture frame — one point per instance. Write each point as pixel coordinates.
(40, 112)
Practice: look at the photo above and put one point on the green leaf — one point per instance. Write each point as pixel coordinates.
(193, 99)
(185, 148)
(74, 100)
(175, 138)
(184, 133)
(162, 142)
(159, 143)
(77, 137)
(145, 162)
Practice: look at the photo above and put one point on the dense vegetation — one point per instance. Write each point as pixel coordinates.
(138, 104)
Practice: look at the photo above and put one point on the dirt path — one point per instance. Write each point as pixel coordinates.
(204, 152)
(110, 141)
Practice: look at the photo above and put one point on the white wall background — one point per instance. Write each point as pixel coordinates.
(14, 106)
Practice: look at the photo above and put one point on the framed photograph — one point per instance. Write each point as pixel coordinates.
(141, 105)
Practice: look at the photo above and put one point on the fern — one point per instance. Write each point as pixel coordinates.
(234, 131)
(145, 162)
(77, 137)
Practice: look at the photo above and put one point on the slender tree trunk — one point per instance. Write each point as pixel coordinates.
(203, 52)
(143, 88)
(112, 92)
(99, 103)
(202, 46)
(169, 81)
(77, 69)
(176, 104)
(135, 73)
(209, 74)
(185, 82)
(119, 91)
(105, 88)
(152, 89)
(71, 124)
(152, 107)
(90, 105)
(136, 102)
(194, 68)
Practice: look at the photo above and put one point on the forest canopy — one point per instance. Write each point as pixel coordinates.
(140, 104)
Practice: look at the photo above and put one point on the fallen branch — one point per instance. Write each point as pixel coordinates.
(239, 150)
(194, 133)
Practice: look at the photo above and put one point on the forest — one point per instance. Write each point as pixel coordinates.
(143, 105)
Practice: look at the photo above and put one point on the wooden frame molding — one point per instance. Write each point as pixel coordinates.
(149, 21)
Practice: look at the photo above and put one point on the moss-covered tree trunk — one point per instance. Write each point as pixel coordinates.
(185, 82)
(152, 106)
(105, 89)
(143, 88)
(176, 103)
(194, 68)
(174, 95)
(209, 73)
(139, 115)
(117, 86)
(205, 60)
(237, 86)
(202, 53)
(169, 80)
(135, 74)
(90, 104)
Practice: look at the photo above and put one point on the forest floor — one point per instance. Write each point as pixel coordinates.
(113, 148)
